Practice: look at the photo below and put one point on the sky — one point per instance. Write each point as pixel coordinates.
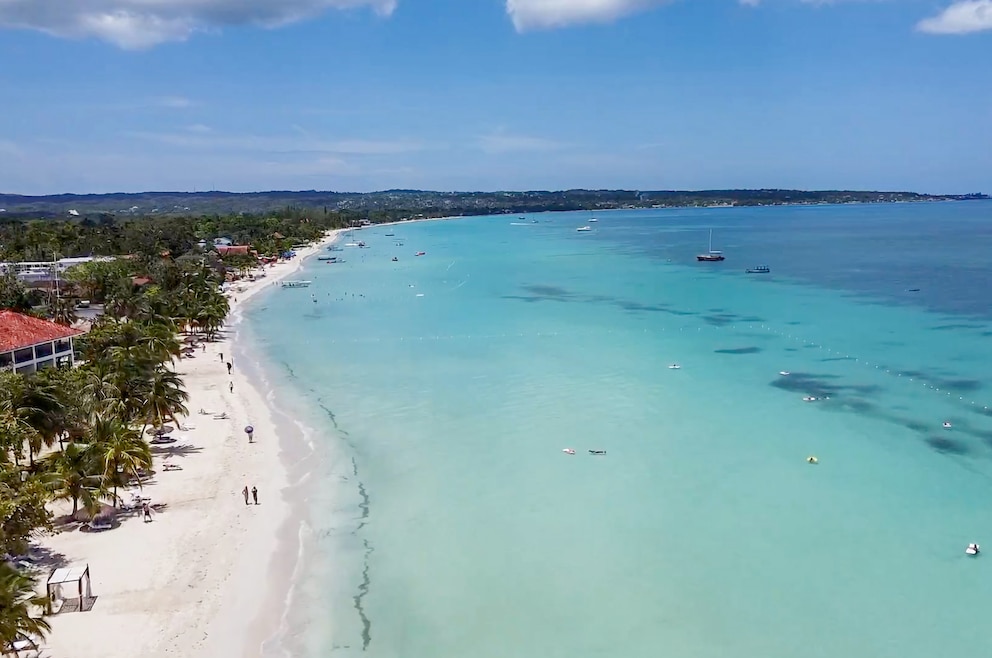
(362, 95)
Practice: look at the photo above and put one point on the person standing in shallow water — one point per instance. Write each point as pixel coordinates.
(245, 492)
(254, 495)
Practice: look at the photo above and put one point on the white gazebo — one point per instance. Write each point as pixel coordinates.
(68, 584)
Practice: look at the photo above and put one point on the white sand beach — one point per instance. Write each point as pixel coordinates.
(203, 576)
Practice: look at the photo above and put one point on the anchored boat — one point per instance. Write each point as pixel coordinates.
(710, 255)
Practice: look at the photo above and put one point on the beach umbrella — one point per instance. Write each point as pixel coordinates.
(165, 429)
(249, 429)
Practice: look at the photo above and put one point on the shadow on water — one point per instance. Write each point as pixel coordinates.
(739, 350)
(947, 446)
(821, 385)
(549, 293)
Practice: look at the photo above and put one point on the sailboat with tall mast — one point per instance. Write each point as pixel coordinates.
(710, 255)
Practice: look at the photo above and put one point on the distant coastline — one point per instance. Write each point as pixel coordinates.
(398, 205)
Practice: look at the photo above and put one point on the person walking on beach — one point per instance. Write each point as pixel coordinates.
(222, 357)
(245, 492)
(254, 495)
(146, 512)
(229, 367)
(230, 386)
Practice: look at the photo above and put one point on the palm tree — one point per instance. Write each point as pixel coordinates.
(77, 476)
(100, 391)
(121, 450)
(17, 598)
(160, 342)
(63, 311)
(165, 398)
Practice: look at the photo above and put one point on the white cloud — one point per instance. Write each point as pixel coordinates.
(543, 14)
(135, 24)
(960, 18)
(503, 143)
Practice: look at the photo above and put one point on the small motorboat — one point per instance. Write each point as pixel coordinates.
(947, 425)
(593, 219)
(973, 549)
(812, 460)
(597, 452)
(568, 451)
(760, 269)
(784, 373)
(674, 366)
(395, 259)
(421, 253)
(809, 398)
(582, 229)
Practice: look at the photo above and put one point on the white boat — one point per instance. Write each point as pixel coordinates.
(784, 373)
(296, 284)
(674, 366)
(947, 425)
(710, 255)
(973, 549)
(584, 228)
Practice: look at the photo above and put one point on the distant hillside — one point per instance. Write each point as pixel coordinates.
(427, 203)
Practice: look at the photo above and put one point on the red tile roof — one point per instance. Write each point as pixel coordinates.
(241, 250)
(18, 330)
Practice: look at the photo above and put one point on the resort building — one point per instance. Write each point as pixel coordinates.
(232, 250)
(28, 344)
(36, 272)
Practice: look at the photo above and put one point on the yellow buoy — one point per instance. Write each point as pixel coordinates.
(812, 460)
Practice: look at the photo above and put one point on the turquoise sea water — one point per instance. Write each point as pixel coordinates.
(445, 521)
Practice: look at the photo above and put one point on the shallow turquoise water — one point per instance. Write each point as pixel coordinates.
(446, 520)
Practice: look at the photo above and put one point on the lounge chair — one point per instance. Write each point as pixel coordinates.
(104, 523)
(171, 467)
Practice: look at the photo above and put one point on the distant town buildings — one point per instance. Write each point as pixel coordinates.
(28, 344)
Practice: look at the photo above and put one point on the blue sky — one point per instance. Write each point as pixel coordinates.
(359, 95)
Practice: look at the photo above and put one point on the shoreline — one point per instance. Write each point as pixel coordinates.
(191, 581)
